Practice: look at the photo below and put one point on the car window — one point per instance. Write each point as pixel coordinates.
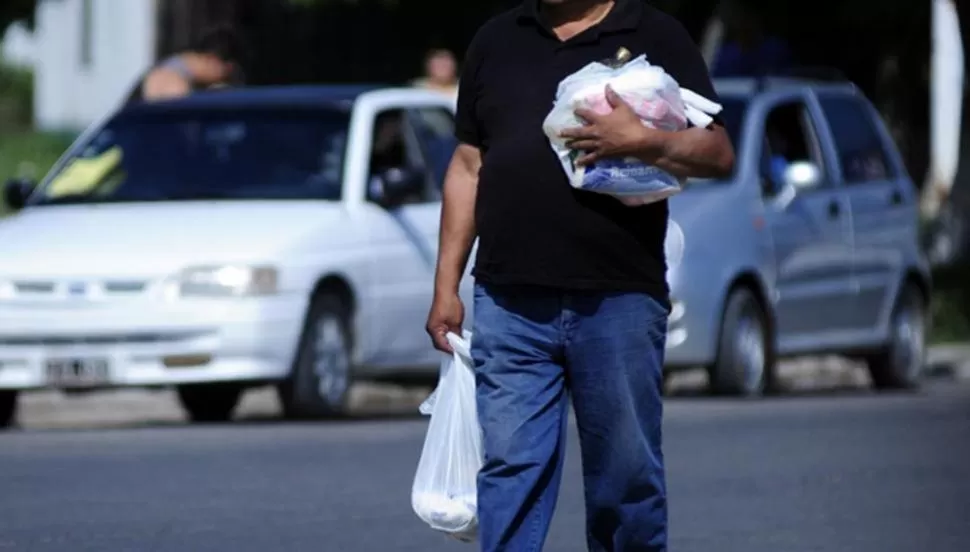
(435, 130)
(191, 154)
(789, 137)
(862, 153)
(394, 147)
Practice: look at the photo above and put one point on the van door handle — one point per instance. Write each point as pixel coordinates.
(834, 209)
(896, 198)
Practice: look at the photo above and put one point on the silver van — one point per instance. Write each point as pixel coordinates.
(811, 247)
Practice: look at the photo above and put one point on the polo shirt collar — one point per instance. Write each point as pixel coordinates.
(625, 15)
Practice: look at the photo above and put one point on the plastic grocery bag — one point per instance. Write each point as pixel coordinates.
(659, 101)
(445, 493)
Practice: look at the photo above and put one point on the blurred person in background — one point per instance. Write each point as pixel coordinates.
(440, 72)
(212, 62)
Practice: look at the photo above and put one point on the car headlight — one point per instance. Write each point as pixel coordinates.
(223, 281)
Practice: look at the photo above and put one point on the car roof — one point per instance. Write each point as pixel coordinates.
(340, 96)
(749, 87)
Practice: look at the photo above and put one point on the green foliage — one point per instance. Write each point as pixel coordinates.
(950, 308)
(12, 11)
(16, 98)
(29, 154)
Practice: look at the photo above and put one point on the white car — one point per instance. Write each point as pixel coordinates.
(282, 236)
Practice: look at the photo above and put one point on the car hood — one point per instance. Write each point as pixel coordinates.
(150, 239)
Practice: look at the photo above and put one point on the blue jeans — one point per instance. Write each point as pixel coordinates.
(533, 350)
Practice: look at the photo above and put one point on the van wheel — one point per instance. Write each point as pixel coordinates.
(900, 364)
(319, 385)
(8, 408)
(209, 402)
(745, 363)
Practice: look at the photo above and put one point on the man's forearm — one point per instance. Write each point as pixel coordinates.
(457, 228)
(691, 153)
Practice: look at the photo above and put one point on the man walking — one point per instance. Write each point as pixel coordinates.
(571, 297)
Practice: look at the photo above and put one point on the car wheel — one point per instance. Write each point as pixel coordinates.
(8, 408)
(900, 364)
(210, 402)
(319, 385)
(745, 362)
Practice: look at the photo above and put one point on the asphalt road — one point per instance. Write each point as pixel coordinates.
(833, 471)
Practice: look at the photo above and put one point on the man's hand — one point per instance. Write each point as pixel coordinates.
(446, 316)
(164, 84)
(691, 153)
(619, 133)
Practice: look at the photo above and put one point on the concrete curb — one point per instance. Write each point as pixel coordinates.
(949, 361)
(127, 408)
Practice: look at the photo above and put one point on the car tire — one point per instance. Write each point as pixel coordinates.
(209, 402)
(8, 408)
(900, 364)
(745, 361)
(322, 376)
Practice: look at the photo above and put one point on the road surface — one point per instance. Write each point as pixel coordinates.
(832, 471)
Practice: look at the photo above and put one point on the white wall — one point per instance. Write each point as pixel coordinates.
(71, 94)
(17, 46)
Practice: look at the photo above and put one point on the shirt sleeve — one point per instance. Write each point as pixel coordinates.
(684, 62)
(467, 124)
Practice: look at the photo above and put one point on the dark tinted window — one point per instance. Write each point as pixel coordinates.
(861, 152)
(206, 154)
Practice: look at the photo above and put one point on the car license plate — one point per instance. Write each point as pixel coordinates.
(77, 372)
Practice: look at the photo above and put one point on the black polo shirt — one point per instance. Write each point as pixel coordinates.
(533, 227)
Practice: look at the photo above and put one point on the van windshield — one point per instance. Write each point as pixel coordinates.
(202, 154)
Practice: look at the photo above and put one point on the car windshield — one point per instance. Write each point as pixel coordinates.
(204, 154)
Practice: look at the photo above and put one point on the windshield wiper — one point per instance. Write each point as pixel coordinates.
(81, 199)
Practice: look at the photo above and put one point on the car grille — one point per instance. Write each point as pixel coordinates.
(79, 289)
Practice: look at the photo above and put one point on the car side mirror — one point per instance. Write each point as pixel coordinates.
(396, 185)
(16, 191)
(802, 176)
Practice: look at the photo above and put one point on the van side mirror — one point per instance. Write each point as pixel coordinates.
(16, 191)
(802, 176)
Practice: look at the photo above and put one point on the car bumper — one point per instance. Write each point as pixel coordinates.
(147, 344)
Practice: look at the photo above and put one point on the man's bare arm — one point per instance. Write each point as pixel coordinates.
(691, 153)
(458, 229)
(163, 84)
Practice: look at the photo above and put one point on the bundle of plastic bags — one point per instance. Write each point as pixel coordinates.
(654, 95)
(445, 492)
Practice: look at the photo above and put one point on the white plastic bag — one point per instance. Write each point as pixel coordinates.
(445, 493)
(659, 101)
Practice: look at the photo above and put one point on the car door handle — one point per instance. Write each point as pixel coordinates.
(834, 209)
(896, 198)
